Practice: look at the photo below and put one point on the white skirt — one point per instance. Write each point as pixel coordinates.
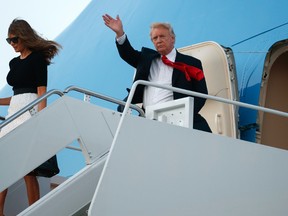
(18, 102)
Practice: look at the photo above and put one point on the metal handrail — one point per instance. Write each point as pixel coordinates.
(191, 93)
(30, 106)
(197, 94)
(60, 93)
(128, 104)
(104, 97)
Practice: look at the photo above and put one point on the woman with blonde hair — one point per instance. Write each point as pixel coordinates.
(28, 78)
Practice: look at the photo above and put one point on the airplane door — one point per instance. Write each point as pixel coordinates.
(220, 73)
(273, 130)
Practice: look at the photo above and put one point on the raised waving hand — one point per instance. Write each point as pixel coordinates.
(114, 24)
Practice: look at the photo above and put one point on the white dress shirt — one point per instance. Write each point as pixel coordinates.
(160, 74)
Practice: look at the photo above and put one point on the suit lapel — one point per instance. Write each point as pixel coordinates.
(144, 66)
(176, 73)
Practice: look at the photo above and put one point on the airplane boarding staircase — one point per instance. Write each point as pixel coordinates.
(49, 131)
(137, 166)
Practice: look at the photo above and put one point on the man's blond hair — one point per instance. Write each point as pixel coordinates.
(162, 25)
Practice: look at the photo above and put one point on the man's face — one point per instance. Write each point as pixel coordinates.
(162, 40)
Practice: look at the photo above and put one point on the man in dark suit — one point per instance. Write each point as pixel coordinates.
(149, 66)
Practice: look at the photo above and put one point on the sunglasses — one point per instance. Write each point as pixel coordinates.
(13, 39)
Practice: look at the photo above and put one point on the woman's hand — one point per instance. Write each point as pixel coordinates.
(5, 101)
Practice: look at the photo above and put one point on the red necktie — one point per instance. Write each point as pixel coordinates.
(190, 71)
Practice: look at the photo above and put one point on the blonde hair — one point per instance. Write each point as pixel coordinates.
(162, 25)
(32, 40)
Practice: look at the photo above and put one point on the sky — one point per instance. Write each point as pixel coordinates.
(48, 18)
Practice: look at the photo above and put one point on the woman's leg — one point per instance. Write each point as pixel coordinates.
(32, 187)
(33, 192)
(2, 201)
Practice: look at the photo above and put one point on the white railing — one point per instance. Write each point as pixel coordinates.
(129, 100)
(195, 94)
(30, 106)
(104, 97)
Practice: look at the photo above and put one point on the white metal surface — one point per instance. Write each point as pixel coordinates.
(153, 169)
(71, 195)
(177, 112)
(52, 129)
(220, 74)
(159, 169)
(17, 200)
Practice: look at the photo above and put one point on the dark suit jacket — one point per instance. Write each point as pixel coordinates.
(142, 60)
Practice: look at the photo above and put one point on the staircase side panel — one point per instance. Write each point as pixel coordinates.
(35, 141)
(159, 169)
(71, 195)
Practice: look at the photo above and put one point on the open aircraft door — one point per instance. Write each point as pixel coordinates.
(272, 129)
(220, 73)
